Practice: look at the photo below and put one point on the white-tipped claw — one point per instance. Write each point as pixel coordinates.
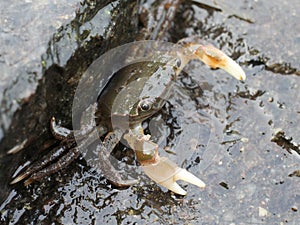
(233, 68)
(215, 58)
(166, 173)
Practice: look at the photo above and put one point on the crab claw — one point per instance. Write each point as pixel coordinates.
(160, 169)
(166, 173)
(215, 58)
(212, 56)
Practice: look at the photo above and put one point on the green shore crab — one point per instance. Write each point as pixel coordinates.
(129, 99)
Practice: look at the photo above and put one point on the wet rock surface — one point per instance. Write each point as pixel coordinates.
(246, 150)
(88, 30)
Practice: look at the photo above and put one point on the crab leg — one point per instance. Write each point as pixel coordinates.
(110, 141)
(40, 165)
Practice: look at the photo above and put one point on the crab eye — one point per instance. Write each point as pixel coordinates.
(178, 62)
(145, 105)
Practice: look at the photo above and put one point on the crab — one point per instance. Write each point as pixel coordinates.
(132, 95)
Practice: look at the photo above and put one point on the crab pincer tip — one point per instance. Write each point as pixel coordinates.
(234, 69)
(188, 177)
